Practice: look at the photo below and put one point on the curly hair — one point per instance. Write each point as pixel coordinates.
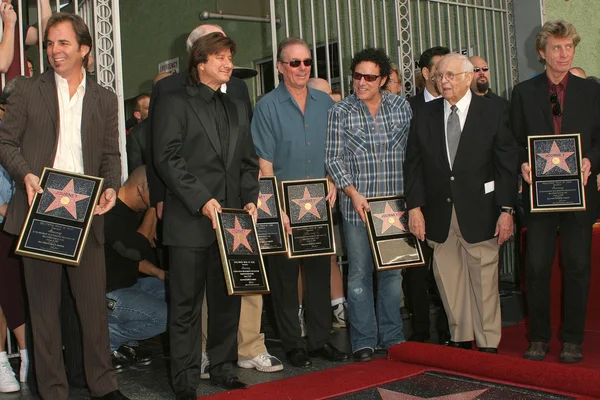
(376, 56)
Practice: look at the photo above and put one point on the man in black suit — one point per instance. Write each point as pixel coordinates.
(461, 186)
(204, 153)
(416, 280)
(552, 103)
(480, 85)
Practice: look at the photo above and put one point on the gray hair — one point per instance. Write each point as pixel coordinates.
(196, 34)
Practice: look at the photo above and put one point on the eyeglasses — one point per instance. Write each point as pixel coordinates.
(357, 76)
(393, 81)
(448, 75)
(296, 63)
(484, 69)
(556, 109)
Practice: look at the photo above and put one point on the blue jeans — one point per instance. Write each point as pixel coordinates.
(140, 312)
(367, 328)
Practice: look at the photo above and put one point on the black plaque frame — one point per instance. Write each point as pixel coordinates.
(323, 227)
(561, 190)
(55, 235)
(397, 238)
(231, 260)
(270, 228)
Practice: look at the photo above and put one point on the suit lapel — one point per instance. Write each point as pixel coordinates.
(438, 134)
(234, 127)
(206, 120)
(48, 94)
(468, 130)
(90, 100)
(570, 106)
(543, 99)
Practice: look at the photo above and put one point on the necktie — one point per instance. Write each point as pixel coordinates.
(453, 132)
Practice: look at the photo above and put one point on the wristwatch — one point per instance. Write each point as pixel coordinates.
(508, 210)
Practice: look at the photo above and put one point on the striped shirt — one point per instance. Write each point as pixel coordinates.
(367, 152)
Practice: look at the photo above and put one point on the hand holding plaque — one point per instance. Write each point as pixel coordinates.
(269, 226)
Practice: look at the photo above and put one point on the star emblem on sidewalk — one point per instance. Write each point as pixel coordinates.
(262, 202)
(390, 218)
(67, 198)
(240, 235)
(307, 204)
(556, 158)
(391, 395)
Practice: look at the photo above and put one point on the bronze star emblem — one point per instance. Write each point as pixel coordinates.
(66, 197)
(556, 158)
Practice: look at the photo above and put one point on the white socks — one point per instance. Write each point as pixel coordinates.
(337, 301)
(3, 357)
(24, 366)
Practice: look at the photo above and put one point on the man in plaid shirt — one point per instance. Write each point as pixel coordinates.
(367, 135)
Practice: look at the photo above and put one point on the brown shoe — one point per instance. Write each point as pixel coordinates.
(571, 353)
(536, 351)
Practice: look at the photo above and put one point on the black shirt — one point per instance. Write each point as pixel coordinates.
(124, 247)
(214, 100)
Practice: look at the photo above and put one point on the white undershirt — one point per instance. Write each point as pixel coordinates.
(463, 109)
(69, 154)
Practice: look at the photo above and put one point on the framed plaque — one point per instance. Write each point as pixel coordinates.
(556, 176)
(310, 218)
(392, 244)
(240, 253)
(269, 227)
(59, 219)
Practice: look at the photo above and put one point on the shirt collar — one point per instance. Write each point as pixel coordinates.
(60, 81)
(224, 88)
(462, 104)
(283, 94)
(562, 85)
(428, 96)
(206, 92)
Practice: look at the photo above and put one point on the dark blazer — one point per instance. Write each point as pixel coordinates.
(236, 88)
(188, 158)
(29, 139)
(137, 142)
(531, 114)
(487, 152)
(417, 100)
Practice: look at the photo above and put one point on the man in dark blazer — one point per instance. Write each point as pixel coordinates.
(204, 153)
(137, 143)
(64, 120)
(417, 279)
(461, 186)
(552, 103)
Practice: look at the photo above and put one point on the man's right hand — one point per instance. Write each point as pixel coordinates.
(209, 211)
(360, 204)
(526, 172)
(32, 186)
(8, 14)
(286, 222)
(416, 223)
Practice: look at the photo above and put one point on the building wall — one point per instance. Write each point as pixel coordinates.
(584, 15)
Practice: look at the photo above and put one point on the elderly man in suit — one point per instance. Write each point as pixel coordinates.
(204, 153)
(552, 103)
(461, 187)
(64, 120)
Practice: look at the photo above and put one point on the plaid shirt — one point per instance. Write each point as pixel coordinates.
(367, 152)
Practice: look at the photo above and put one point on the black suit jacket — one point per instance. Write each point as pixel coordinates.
(236, 88)
(188, 158)
(417, 100)
(487, 152)
(137, 143)
(531, 114)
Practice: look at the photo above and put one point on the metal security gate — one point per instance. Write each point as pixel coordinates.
(404, 28)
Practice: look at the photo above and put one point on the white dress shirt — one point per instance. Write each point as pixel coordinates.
(69, 154)
(428, 96)
(463, 109)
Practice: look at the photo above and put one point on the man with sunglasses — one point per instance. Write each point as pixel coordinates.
(367, 134)
(558, 102)
(289, 129)
(480, 84)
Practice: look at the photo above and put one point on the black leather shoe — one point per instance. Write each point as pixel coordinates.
(329, 352)
(135, 355)
(571, 353)
(228, 382)
(187, 395)
(119, 362)
(490, 350)
(116, 395)
(419, 337)
(461, 345)
(536, 351)
(363, 354)
(298, 358)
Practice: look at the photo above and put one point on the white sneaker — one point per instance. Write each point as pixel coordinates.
(205, 366)
(302, 323)
(263, 362)
(8, 382)
(339, 315)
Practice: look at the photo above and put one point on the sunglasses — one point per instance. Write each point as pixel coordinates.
(484, 69)
(357, 76)
(296, 63)
(556, 109)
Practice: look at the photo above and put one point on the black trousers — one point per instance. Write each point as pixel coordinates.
(283, 280)
(191, 269)
(576, 241)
